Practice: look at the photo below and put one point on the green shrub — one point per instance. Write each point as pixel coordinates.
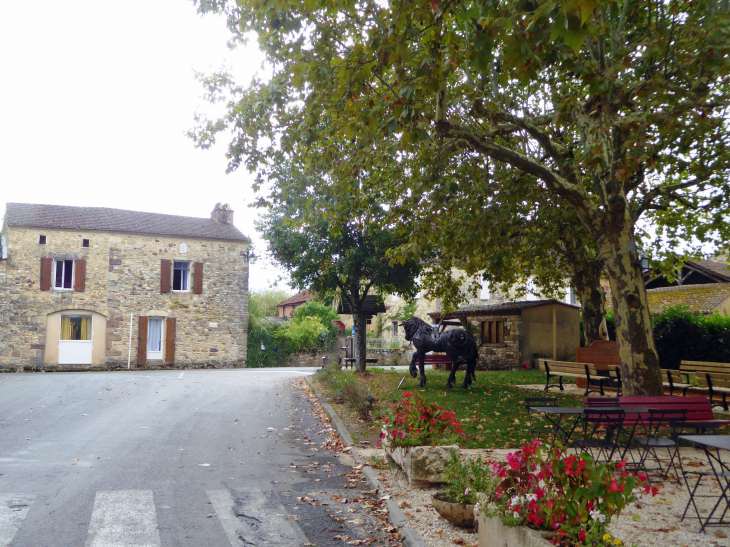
(681, 335)
(465, 478)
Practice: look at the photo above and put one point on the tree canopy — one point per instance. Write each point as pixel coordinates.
(615, 108)
(335, 243)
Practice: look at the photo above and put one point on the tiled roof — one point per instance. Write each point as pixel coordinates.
(702, 299)
(64, 217)
(512, 308)
(720, 268)
(300, 298)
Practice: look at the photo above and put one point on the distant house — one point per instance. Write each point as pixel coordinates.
(92, 287)
(702, 286)
(510, 334)
(287, 307)
(700, 272)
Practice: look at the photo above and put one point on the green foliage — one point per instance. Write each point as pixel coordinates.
(264, 304)
(303, 334)
(405, 313)
(321, 311)
(464, 478)
(681, 335)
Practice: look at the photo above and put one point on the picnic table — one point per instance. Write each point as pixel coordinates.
(714, 446)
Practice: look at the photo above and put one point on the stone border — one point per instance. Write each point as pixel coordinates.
(395, 515)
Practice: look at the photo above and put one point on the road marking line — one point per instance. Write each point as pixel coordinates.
(181, 375)
(13, 509)
(123, 517)
(247, 521)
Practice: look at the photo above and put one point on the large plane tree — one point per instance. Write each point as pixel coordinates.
(618, 108)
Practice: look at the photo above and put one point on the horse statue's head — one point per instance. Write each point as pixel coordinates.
(413, 325)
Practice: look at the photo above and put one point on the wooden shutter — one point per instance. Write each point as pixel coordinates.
(165, 275)
(79, 275)
(46, 268)
(142, 341)
(170, 341)
(500, 332)
(198, 278)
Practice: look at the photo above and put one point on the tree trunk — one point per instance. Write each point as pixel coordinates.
(360, 344)
(640, 370)
(587, 283)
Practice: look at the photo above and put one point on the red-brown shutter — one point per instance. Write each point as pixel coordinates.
(79, 275)
(165, 275)
(198, 278)
(142, 341)
(46, 267)
(170, 341)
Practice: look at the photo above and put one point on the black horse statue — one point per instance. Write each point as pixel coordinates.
(458, 344)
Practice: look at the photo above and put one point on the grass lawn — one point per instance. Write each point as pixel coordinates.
(491, 411)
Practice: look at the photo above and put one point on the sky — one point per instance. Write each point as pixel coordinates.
(96, 98)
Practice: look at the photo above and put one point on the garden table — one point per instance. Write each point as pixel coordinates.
(555, 416)
(714, 446)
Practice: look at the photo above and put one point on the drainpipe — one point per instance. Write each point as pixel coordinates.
(129, 352)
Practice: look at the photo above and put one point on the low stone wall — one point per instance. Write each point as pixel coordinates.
(491, 533)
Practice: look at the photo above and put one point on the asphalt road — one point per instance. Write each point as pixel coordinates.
(201, 458)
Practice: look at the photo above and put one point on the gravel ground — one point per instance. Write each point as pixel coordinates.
(658, 517)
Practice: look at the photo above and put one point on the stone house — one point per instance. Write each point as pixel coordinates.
(100, 288)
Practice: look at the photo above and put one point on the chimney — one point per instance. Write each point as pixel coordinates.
(222, 214)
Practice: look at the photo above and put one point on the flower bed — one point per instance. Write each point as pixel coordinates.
(546, 488)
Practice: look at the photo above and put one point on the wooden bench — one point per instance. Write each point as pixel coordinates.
(715, 383)
(437, 359)
(672, 384)
(712, 377)
(699, 410)
(567, 369)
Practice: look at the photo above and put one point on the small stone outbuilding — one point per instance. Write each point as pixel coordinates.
(96, 288)
(512, 334)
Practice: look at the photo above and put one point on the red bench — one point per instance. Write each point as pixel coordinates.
(437, 359)
(699, 411)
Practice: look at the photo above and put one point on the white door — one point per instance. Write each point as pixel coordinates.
(74, 347)
(154, 338)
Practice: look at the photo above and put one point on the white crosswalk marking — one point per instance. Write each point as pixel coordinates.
(123, 517)
(13, 509)
(247, 522)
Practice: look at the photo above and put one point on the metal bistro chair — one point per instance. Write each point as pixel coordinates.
(531, 402)
(654, 442)
(600, 432)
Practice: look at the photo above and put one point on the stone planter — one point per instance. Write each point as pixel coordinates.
(459, 514)
(423, 465)
(492, 533)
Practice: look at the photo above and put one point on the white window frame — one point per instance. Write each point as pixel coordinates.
(155, 355)
(185, 280)
(55, 269)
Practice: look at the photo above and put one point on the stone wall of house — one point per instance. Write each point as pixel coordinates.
(502, 356)
(123, 278)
